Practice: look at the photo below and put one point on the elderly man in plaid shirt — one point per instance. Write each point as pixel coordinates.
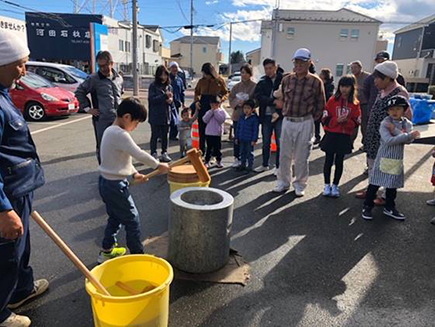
(304, 101)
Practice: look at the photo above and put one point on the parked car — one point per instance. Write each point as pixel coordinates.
(38, 99)
(233, 81)
(64, 76)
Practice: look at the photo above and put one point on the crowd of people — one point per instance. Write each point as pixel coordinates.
(292, 106)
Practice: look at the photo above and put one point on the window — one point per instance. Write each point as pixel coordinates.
(344, 33)
(148, 41)
(204, 49)
(290, 32)
(354, 35)
(339, 70)
(156, 46)
(399, 41)
(121, 45)
(348, 69)
(127, 46)
(54, 75)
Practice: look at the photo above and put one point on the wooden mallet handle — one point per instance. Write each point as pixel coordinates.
(68, 252)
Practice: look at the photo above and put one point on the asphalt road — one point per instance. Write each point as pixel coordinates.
(314, 261)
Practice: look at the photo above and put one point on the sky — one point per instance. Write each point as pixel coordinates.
(246, 36)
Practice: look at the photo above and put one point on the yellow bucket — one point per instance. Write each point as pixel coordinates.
(173, 186)
(149, 309)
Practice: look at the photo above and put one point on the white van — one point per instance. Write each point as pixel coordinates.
(64, 76)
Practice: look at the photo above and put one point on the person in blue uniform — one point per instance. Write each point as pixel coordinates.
(20, 175)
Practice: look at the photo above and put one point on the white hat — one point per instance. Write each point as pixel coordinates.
(388, 68)
(302, 54)
(12, 48)
(174, 63)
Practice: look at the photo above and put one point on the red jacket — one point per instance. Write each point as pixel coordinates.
(341, 107)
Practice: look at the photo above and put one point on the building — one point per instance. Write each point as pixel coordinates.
(76, 38)
(254, 57)
(414, 52)
(166, 56)
(16, 26)
(335, 38)
(205, 49)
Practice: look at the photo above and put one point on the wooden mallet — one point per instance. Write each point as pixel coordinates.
(194, 157)
(69, 253)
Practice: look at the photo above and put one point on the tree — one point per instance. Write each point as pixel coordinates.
(237, 57)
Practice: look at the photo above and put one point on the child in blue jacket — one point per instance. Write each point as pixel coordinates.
(247, 135)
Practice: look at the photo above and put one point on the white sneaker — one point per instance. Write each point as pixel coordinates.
(299, 193)
(335, 192)
(430, 202)
(236, 163)
(261, 169)
(327, 190)
(280, 189)
(15, 320)
(275, 171)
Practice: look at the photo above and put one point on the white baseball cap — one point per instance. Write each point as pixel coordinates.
(174, 63)
(302, 54)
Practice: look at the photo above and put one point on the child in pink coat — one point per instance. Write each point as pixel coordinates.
(214, 118)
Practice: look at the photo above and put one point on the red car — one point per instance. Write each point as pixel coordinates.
(38, 98)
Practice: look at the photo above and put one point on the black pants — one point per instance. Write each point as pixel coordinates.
(213, 148)
(317, 129)
(330, 159)
(159, 132)
(16, 276)
(202, 137)
(372, 191)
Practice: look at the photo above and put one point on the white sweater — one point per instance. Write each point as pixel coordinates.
(116, 151)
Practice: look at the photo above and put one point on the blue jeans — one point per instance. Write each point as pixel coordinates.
(267, 129)
(236, 145)
(122, 211)
(247, 154)
(16, 276)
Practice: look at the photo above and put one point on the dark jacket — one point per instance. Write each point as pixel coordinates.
(159, 109)
(247, 128)
(329, 89)
(263, 93)
(370, 91)
(179, 88)
(20, 170)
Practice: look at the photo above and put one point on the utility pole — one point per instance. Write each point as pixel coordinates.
(229, 50)
(135, 70)
(191, 38)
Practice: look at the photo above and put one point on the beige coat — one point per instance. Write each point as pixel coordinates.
(242, 87)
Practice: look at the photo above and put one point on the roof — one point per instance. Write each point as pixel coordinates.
(199, 39)
(421, 23)
(342, 15)
(253, 51)
(153, 28)
(47, 64)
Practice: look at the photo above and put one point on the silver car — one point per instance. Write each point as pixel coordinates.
(64, 76)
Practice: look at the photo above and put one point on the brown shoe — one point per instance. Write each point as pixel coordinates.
(40, 286)
(361, 195)
(379, 202)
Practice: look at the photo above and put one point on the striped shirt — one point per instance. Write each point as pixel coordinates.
(302, 97)
(388, 168)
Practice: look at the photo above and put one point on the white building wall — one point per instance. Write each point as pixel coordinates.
(414, 68)
(327, 47)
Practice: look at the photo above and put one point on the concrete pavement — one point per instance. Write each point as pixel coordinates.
(315, 262)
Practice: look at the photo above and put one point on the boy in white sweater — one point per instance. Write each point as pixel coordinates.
(117, 149)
